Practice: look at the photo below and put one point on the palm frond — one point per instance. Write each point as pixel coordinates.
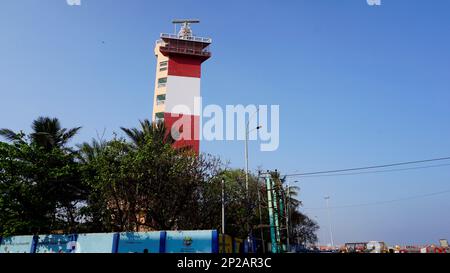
(148, 130)
(47, 132)
(66, 136)
(136, 136)
(8, 134)
(51, 126)
(89, 151)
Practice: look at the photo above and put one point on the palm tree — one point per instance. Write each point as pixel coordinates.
(292, 193)
(47, 133)
(89, 151)
(155, 131)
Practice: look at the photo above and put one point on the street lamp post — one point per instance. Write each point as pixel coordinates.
(246, 157)
(223, 207)
(247, 132)
(327, 198)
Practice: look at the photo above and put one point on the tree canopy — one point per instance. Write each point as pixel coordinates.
(136, 183)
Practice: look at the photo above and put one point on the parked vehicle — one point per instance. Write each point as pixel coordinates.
(355, 247)
(376, 247)
(369, 247)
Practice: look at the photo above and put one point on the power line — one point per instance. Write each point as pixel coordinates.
(383, 202)
(370, 167)
(382, 171)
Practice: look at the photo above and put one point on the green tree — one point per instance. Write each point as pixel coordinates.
(304, 229)
(40, 184)
(142, 183)
(39, 189)
(241, 213)
(96, 213)
(145, 184)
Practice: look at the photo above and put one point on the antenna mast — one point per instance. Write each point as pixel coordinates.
(185, 31)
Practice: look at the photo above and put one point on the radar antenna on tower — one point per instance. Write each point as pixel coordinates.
(185, 31)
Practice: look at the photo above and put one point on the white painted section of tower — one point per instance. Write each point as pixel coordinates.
(181, 95)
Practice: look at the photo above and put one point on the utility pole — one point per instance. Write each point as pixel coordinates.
(281, 211)
(327, 198)
(286, 214)
(290, 213)
(260, 217)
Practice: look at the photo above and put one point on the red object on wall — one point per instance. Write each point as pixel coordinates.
(184, 66)
(184, 127)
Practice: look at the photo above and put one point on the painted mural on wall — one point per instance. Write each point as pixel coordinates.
(139, 242)
(191, 241)
(16, 244)
(56, 244)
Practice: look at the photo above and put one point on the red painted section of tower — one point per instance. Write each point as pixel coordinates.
(184, 66)
(186, 125)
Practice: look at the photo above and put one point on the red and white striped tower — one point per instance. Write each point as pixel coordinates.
(177, 85)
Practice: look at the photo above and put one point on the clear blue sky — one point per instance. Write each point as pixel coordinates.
(357, 85)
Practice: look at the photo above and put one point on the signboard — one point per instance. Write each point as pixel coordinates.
(56, 244)
(97, 243)
(238, 245)
(17, 244)
(225, 243)
(141, 242)
(202, 241)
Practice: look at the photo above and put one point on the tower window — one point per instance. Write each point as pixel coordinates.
(160, 99)
(159, 116)
(163, 65)
(162, 82)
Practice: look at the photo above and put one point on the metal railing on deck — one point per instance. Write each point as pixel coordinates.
(192, 38)
(185, 50)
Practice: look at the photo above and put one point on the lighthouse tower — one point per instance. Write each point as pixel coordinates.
(177, 84)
